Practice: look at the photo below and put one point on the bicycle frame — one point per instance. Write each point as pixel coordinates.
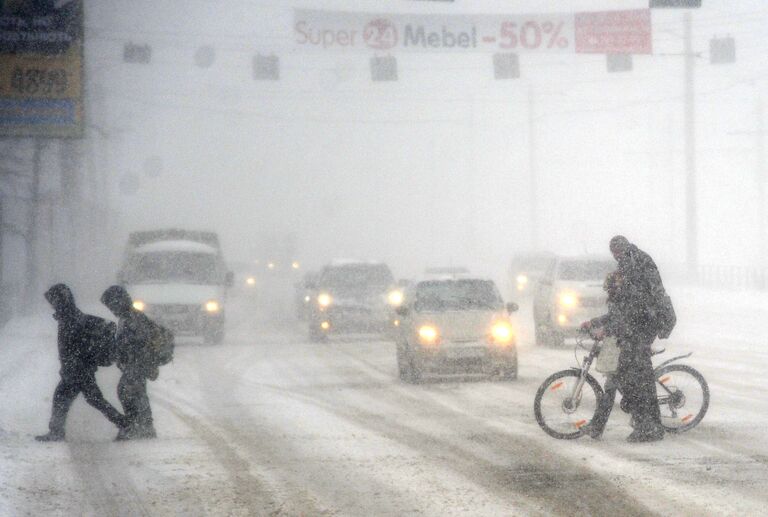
(584, 369)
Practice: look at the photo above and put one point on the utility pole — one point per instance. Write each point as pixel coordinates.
(534, 216)
(692, 245)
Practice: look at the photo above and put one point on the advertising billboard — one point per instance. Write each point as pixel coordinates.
(41, 68)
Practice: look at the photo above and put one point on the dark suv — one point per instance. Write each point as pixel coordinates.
(351, 297)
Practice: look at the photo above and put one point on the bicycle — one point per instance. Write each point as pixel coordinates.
(563, 406)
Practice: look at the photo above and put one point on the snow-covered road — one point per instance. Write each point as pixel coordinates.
(268, 423)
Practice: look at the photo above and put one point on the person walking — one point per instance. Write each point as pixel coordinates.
(641, 290)
(132, 346)
(84, 342)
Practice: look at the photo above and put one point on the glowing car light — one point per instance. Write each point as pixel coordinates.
(324, 299)
(250, 281)
(568, 299)
(212, 306)
(325, 325)
(295, 264)
(501, 333)
(139, 305)
(428, 335)
(395, 298)
(562, 319)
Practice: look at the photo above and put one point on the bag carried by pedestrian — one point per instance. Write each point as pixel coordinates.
(161, 344)
(608, 359)
(665, 316)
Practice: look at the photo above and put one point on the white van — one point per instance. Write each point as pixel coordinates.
(179, 279)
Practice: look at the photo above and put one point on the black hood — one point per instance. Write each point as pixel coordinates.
(61, 299)
(117, 300)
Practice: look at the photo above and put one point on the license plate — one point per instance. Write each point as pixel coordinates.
(463, 353)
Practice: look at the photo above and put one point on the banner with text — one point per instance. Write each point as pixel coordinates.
(627, 32)
(41, 60)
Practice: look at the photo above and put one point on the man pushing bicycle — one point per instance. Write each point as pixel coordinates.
(634, 291)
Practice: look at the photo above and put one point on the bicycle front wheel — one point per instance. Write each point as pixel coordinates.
(560, 412)
(683, 397)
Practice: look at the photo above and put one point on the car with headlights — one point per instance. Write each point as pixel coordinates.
(526, 270)
(304, 290)
(179, 279)
(455, 326)
(353, 296)
(571, 293)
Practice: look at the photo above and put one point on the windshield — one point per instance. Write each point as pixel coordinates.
(357, 275)
(450, 295)
(581, 270)
(172, 267)
(531, 264)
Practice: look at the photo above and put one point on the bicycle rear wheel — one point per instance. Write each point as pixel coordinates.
(557, 412)
(683, 397)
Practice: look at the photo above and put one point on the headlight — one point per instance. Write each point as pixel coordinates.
(562, 319)
(324, 299)
(212, 306)
(428, 335)
(250, 281)
(307, 298)
(395, 298)
(568, 299)
(326, 325)
(522, 281)
(139, 305)
(502, 334)
(295, 264)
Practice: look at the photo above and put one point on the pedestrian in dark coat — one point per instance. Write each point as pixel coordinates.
(617, 322)
(80, 338)
(134, 330)
(641, 288)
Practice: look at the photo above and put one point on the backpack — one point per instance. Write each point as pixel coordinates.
(161, 345)
(665, 316)
(101, 340)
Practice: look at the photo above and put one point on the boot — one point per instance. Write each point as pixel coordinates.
(51, 436)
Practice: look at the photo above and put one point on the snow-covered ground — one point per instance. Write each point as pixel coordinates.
(268, 423)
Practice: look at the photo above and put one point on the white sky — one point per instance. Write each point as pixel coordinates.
(432, 169)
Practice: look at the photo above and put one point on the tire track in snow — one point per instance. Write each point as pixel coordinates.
(251, 493)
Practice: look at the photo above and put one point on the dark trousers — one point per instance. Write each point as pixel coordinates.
(132, 392)
(605, 404)
(66, 392)
(638, 384)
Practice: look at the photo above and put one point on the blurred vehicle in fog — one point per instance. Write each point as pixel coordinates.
(445, 272)
(179, 279)
(455, 326)
(526, 270)
(352, 296)
(572, 292)
(304, 292)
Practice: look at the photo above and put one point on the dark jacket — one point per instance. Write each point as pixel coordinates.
(134, 331)
(82, 338)
(640, 273)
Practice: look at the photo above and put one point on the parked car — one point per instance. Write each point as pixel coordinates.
(178, 278)
(571, 293)
(455, 326)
